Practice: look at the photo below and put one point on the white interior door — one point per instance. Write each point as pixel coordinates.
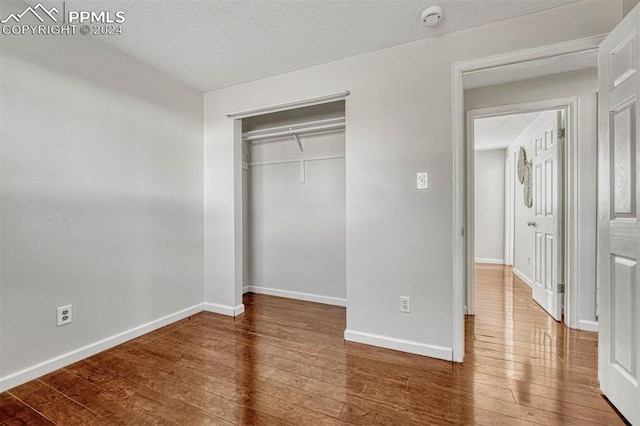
(618, 227)
(547, 205)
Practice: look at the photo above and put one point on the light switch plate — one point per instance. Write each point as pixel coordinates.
(422, 181)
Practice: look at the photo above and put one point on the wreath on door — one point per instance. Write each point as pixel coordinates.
(525, 170)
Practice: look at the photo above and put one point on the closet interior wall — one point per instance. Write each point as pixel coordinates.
(294, 222)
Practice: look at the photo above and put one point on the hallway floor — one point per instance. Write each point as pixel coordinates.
(547, 367)
(285, 362)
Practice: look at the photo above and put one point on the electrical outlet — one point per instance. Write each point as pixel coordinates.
(528, 260)
(65, 315)
(405, 304)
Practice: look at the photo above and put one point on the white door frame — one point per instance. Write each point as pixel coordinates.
(570, 105)
(509, 210)
(516, 60)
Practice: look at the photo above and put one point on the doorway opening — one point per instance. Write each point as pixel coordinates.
(289, 190)
(516, 194)
(294, 212)
(559, 77)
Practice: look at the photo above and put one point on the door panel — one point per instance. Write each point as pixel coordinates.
(547, 178)
(623, 145)
(618, 227)
(623, 296)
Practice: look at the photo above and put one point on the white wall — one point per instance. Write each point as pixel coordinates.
(399, 122)
(101, 185)
(297, 243)
(584, 85)
(489, 206)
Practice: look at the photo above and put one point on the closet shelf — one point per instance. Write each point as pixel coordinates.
(318, 126)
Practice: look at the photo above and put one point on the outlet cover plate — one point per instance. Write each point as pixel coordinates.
(405, 304)
(65, 315)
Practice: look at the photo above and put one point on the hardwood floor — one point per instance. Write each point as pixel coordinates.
(285, 362)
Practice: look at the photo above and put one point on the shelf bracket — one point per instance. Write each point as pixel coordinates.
(297, 140)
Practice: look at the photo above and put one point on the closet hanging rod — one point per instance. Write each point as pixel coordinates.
(302, 128)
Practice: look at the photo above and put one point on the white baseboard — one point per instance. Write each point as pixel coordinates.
(432, 351)
(53, 364)
(588, 325)
(245, 289)
(327, 300)
(228, 310)
(491, 261)
(523, 277)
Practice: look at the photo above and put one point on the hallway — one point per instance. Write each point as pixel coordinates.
(513, 343)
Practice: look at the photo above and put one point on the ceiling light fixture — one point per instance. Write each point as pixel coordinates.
(432, 15)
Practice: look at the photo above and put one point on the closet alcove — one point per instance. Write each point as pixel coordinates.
(294, 213)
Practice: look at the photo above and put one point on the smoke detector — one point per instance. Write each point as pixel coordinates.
(432, 15)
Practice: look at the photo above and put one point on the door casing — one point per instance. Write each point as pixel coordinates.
(522, 59)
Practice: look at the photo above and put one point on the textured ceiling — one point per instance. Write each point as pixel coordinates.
(213, 44)
(498, 132)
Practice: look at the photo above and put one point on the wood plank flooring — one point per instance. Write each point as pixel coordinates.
(285, 362)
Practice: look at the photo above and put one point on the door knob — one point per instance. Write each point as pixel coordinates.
(531, 224)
